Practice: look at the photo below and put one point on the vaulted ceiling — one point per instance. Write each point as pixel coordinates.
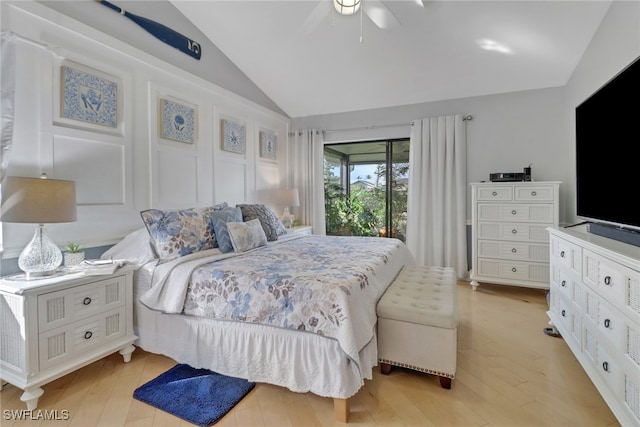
(310, 60)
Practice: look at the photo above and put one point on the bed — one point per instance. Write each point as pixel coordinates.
(297, 312)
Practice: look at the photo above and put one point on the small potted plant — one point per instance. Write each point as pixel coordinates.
(74, 254)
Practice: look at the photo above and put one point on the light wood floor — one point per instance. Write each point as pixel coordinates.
(509, 374)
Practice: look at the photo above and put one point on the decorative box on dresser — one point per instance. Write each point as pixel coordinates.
(50, 327)
(509, 238)
(595, 305)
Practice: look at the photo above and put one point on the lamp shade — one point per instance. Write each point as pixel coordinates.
(38, 200)
(286, 197)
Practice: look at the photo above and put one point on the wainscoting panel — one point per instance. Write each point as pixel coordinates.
(231, 178)
(98, 168)
(177, 176)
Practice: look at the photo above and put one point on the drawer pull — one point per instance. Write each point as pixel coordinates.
(561, 254)
(605, 366)
(564, 313)
(514, 231)
(513, 212)
(607, 280)
(86, 301)
(514, 250)
(563, 283)
(88, 335)
(495, 193)
(607, 323)
(513, 269)
(534, 194)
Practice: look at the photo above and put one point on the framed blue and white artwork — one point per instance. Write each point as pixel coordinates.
(268, 145)
(178, 121)
(233, 136)
(89, 96)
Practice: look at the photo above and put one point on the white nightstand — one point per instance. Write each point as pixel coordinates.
(50, 327)
(300, 230)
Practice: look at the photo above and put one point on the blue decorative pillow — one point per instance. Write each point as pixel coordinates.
(219, 220)
(176, 233)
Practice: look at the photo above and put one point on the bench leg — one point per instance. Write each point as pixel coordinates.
(445, 382)
(385, 368)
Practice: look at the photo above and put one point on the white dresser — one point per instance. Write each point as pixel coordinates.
(509, 238)
(595, 305)
(51, 327)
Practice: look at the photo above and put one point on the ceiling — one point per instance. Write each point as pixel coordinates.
(441, 50)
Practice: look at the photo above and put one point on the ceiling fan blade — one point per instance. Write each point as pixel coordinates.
(380, 14)
(316, 16)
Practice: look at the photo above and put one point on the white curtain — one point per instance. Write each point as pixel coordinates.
(7, 85)
(307, 155)
(436, 206)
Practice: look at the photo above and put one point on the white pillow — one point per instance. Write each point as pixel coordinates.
(136, 247)
(246, 235)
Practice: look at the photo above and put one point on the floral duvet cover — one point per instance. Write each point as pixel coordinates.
(327, 285)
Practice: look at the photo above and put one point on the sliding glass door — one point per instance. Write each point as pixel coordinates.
(366, 188)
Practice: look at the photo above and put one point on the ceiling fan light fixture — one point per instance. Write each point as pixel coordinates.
(347, 7)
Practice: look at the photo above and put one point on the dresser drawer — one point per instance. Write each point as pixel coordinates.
(568, 319)
(565, 284)
(567, 255)
(533, 272)
(60, 344)
(513, 250)
(535, 194)
(59, 308)
(606, 277)
(540, 213)
(498, 193)
(513, 231)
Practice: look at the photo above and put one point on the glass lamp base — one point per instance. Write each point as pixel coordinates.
(41, 257)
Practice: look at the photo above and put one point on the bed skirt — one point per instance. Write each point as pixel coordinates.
(300, 361)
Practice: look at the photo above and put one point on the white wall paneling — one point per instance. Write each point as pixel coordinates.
(231, 176)
(121, 171)
(97, 167)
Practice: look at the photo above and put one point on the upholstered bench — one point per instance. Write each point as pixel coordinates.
(418, 321)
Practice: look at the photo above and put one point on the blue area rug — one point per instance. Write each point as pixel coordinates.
(199, 396)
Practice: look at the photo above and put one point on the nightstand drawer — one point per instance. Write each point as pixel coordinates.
(59, 308)
(58, 345)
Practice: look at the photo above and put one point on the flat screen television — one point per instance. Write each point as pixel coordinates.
(608, 153)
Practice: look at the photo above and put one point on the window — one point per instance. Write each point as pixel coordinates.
(365, 185)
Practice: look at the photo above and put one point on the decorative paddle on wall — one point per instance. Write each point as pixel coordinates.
(161, 32)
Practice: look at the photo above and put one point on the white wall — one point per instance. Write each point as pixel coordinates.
(511, 130)
(508, 131)
(119, 172)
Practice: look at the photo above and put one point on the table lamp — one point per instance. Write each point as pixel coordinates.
(38, 201)
(286, 197)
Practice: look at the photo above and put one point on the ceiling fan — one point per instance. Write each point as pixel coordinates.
(375, 10)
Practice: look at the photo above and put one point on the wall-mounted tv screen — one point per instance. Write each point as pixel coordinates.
(608, 151)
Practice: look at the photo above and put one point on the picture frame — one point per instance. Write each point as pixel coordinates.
(87, 99)
(268, 145)
(178, 120)
(233, 136)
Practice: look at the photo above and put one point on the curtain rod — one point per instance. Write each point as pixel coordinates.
(464, 119)
(370, 127)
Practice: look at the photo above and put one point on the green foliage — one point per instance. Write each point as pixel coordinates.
(362, 213)
(73, 248)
